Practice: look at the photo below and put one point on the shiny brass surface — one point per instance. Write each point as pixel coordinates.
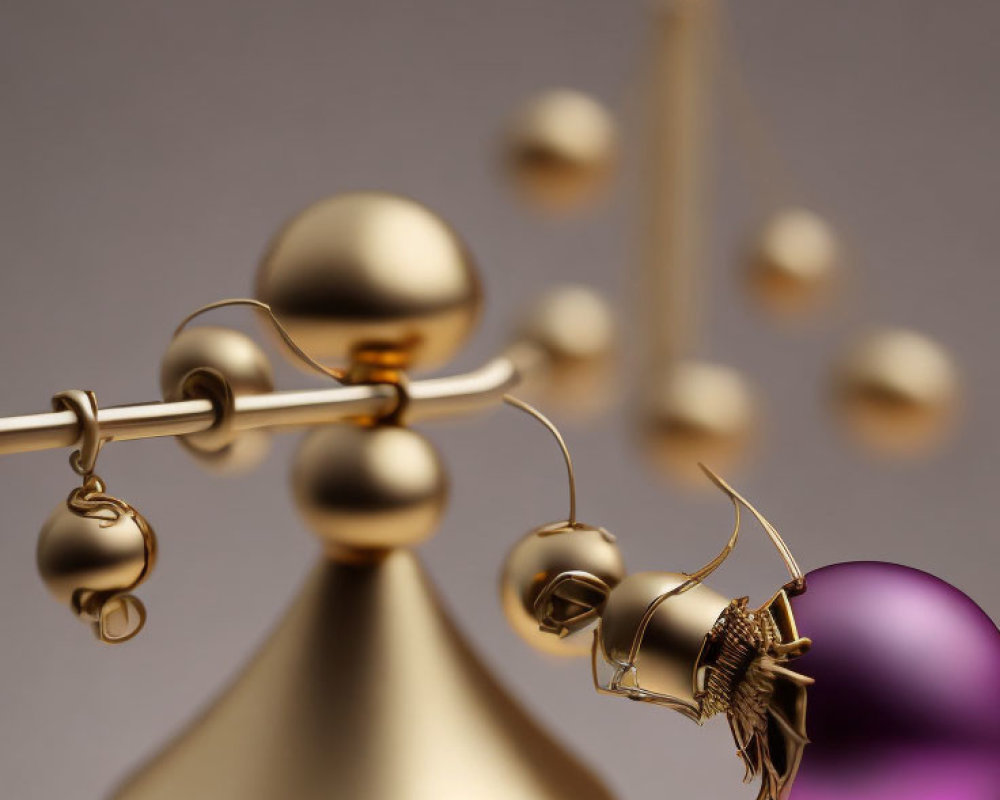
(245, 368)
(539, 558)
(362, 487)
(433, 397)
(369, 271)
(897, 391)
(366, 691)
(697, 412)
(92, 551)
(793, 262)
(99, 552)
(665, 638)
(667, 662)
(565, 347)
(560, 149)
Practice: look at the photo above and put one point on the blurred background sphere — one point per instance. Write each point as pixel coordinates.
(697, 412)
(897, 391)
(793, 262)
(560, 150)
(565, 345)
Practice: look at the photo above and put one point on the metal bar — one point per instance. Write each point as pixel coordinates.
(428, 398)
(674, 180)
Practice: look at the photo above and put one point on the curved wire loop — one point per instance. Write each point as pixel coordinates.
(337, 374)
(510, 400)
(396, 379)
(798, 579)
(84, 405)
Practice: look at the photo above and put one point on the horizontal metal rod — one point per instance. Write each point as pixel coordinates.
(428, 398)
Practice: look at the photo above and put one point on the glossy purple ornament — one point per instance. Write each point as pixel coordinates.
(906, 704)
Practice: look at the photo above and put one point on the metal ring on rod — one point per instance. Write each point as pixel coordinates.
(208, 383)
(84, 405)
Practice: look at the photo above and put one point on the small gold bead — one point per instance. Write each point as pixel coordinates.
(897, 391)
(369, 488)
(98, 553)
(247, 370)
(371, 272)
(540, 556)
(560, 149)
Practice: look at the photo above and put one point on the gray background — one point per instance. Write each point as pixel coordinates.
(150, 149)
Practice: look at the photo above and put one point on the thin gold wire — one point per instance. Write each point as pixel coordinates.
(798, 579)
(510, 400)
(697, 577)
(337, 374)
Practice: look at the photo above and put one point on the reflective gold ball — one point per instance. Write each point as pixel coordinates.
(560, 149)
(542, 555)
(898, 392)
(369, 488)
(793, 263)
(248, 371)
(697, 412)
(98, 553)
(669, 652)
(369, 273)
(565, 346)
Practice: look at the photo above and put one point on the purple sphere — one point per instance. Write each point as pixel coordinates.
(906, 704)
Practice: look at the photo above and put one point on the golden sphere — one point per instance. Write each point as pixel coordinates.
(371, 272)
(560, 149)
(102, 552)
(540, 556)
(897, 391)
(247, 370)
(369, 488)
(697, 412)
(793, 263)
(669, 653)
(564, 348)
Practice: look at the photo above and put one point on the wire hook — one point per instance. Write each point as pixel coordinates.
(84, 405)
(510, 400)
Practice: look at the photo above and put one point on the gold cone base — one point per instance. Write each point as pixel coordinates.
(365, 692)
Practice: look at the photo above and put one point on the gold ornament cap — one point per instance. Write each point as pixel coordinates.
(369, 272)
